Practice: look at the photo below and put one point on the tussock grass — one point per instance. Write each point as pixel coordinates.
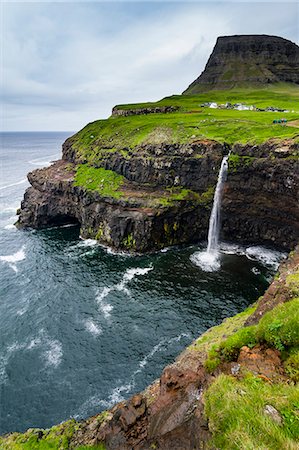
(279, 328)
(237, 419)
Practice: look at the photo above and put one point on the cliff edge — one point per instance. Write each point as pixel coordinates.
(235, 387)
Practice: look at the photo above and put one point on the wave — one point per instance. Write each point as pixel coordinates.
(105, 308)
(85, 247)
(42, 161)
(52, 354)
(116, 394)
(92, 327)
(156, 348)
(270, 258)
(132, 273)
(267, 257)
(164, 343)
(10, 226)
(13, 184)
(8, 209)
(11, 260)
(129, 275)
(87, 243)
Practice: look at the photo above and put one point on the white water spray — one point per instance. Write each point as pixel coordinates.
(209, 260)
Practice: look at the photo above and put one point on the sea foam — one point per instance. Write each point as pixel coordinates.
(13, 259)
(54, 353)
(51, 351)
(44, 162)
(128, 276)
(13, 184)
(92, 327)
(208, 262)
(270, 258)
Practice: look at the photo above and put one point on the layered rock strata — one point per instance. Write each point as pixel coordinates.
(168, 192)
(248, 60)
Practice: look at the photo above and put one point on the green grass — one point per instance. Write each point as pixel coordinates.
(291, 365)
(279, 328)
(281, 95)
(174, 195)
(105, 182)
(57, 437)
(213, 337)
(236, 414)
(192, 122)
(235, 161)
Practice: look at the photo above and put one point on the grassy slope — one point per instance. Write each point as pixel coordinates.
(235, 407)
(123, 134)
(106, 182)
(56, 438)
(237, 418)
(193, 122)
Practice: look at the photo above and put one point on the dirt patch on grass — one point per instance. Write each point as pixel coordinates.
(293, 123)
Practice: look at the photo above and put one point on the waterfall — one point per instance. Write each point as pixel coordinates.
(214, 225)
(209, 259)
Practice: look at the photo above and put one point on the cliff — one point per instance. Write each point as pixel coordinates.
(248, 60)
(144, 179)
(235, 387)
(162, 195)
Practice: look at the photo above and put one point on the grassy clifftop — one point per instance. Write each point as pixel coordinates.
(191, 121)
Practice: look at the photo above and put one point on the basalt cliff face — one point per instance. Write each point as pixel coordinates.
(248, 60)
(260, 202)
(146, 217)
(145, 178)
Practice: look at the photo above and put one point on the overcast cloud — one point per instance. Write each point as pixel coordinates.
(66, 64)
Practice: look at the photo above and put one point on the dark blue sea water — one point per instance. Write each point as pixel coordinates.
(82, 328)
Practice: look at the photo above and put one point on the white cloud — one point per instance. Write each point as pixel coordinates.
(67, 64)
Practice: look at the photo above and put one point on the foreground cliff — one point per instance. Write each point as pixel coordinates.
(236, 387)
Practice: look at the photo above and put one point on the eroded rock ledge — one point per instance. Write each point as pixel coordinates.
(167, 193)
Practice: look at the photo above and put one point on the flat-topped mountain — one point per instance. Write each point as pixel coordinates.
(248, 59)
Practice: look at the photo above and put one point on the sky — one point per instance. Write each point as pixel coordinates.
(64, 64)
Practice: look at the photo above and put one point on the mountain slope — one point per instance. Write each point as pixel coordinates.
(248, 60)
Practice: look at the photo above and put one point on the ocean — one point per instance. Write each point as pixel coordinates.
(83, 327)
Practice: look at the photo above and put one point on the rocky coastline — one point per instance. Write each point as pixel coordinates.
(173, 412)
(145, 182)
(167, 195)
